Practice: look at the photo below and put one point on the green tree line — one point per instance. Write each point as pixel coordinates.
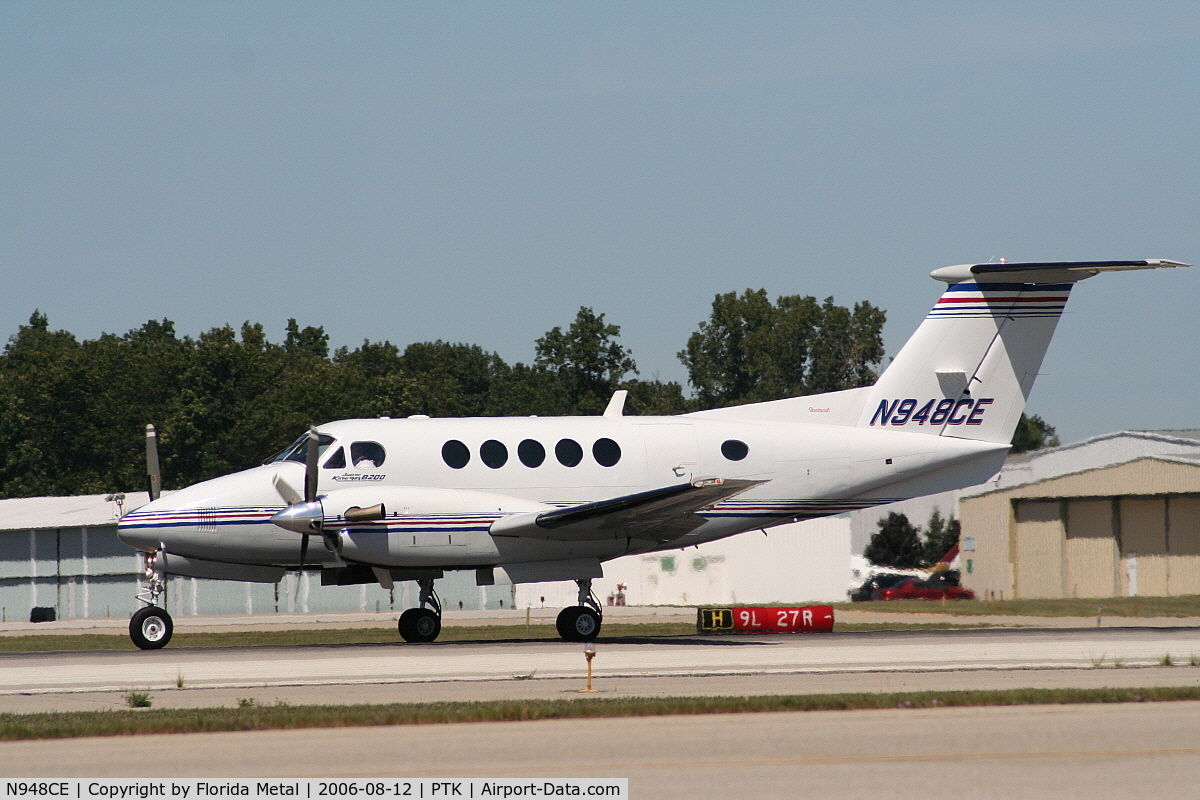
(73, 413)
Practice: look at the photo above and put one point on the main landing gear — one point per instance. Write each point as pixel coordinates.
(151, 627)
(422, 624)
(581, 623)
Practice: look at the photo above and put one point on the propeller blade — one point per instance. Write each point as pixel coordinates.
(310, 465)
(289, 495)
(303, 550)
(153, 474)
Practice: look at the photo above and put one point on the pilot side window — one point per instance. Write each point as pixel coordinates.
(568, 452)
(298, 450)
(337, 460)
(367, 455)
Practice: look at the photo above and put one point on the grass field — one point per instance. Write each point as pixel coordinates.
(248, 716)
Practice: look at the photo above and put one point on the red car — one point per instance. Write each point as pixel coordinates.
(917, 589)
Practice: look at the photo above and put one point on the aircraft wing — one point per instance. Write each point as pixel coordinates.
(661, 515)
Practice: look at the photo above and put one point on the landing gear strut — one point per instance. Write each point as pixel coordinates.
(151, 627)
(581, 623)
(422, 624)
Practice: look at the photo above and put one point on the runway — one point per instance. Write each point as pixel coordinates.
(875, 661)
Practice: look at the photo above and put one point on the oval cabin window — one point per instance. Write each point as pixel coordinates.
(493, 453)
(455, 454)
(734, 450)
(531, 453)
(606, 452)
(568, 452)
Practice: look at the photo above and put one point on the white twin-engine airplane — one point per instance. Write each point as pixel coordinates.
(527, 499)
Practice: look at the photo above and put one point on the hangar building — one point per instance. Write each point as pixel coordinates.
(63, 553)
(1114, 515)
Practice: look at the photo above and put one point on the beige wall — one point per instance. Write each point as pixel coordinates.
(1183, 537)
(1038, 564)
(1091, 549)
(988, 568)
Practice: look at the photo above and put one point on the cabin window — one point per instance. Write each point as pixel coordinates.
(367, 455)
(531, 453)
(734, 450)
(337, 460)
(606, 452)
(493, 453)
(455, 454)
(568, 452)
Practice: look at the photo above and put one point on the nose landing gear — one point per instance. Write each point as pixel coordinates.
(581, 623)
(151, 627)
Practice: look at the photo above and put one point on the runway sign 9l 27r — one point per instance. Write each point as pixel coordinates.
(757, 619)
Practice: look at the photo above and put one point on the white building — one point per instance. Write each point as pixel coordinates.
(800, 563)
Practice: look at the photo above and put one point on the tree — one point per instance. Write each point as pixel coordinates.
(751, 350)
(941, 535)
(655, 398)
(896, 544)
(1033, 433)
(586, 359)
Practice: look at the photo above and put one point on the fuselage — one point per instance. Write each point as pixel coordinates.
(444, 482)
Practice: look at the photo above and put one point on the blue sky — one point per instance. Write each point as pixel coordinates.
(477, 171)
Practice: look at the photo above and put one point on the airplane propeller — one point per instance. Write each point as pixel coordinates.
(153, 473)
(305, 513)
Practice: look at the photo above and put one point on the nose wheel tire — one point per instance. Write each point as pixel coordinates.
(150, 628)
(578, 624)
(419, 625)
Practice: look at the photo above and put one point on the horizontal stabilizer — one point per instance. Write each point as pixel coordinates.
(1044, 271)
(662, 515)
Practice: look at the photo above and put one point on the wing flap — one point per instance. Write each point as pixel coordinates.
(662, 514)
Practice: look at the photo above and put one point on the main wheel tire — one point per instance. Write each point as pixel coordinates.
(566, 621)
(419, 625)
(150, 628)
(578, 624)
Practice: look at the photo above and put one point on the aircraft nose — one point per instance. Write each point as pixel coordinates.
(139, 531)
(145, 528)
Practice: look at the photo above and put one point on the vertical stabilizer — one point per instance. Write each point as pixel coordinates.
(970, 366)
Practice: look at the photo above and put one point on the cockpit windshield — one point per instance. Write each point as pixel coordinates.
(296, 450)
